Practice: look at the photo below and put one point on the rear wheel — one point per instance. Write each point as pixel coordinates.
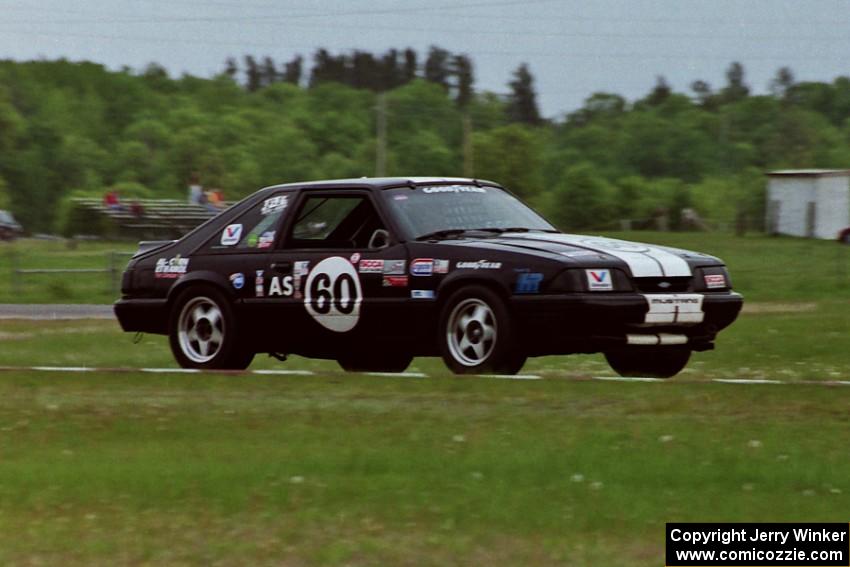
(203, 331)
(377, 363)
(476, 334)
(648, 362)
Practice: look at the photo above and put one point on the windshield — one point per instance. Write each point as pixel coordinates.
(426, 210)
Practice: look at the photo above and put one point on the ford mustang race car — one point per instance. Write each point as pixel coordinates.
(372, 272)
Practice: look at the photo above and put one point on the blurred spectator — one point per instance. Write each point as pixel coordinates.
(112, 201)
(215, 198)
(196, 190)
(137, 209)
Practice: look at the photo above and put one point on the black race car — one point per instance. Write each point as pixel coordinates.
(372, 272)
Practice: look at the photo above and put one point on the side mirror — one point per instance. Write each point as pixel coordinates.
(380, 239)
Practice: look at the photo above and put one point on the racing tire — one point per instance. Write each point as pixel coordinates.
(476, 335)
(377, 363)
(203, 332)
(648, 362)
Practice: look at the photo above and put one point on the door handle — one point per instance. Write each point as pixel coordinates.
(281, 266)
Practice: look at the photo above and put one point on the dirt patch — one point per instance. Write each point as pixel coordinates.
(762, 308)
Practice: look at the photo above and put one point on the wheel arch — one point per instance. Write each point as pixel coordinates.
(451, 284)
(202, 277)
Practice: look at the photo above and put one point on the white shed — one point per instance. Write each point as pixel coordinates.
(808, 202)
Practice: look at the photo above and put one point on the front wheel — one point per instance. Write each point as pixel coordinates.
(476, 334)
(203, 331)
(648, 362)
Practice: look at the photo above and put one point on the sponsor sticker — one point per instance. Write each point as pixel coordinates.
(231, 235)
(714, 281)
(422, 293)
(253, 239)
(453, 189)
(479, 265)
(332, 294)
(266, 239)
(355, 257)
(395, 281)
(171, 268)
(422, 267)
(599, 280)
(301, 267)
(528, 282)
(395, 267)
(400, 198)
(237, 280)
(259, 283)
(274, 204)
(441, 266)
(371, 266)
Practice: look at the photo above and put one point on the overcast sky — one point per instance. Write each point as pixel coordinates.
(574, 47)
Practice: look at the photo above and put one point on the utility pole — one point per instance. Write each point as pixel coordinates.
(468, 153)
(381, 136)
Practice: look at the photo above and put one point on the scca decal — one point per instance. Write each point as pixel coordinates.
(332, 294)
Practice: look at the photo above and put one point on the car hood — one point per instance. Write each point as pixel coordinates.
(642, 260)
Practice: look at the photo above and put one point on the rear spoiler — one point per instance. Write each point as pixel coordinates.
(146, 246)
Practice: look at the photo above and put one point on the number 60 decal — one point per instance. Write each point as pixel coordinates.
(332, 294)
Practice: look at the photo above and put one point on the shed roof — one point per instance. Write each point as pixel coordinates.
(809, 173)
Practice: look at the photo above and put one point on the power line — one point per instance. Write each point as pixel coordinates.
(294, 15)
(630, 55)
(455, 31)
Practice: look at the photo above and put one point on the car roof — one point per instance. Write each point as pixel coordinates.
(380, 183)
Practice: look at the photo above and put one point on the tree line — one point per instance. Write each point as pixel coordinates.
(77, 129)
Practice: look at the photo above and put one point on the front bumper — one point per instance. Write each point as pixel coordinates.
(143, 315)
(594, 322)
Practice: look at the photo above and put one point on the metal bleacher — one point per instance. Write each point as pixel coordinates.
(161, 218)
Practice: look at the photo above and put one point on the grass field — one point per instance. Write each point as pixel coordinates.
(105, 469)
(132, 468)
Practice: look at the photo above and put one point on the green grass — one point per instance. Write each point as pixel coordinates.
(339, 469)
(763, 268)
(199, 469)
(61, 288)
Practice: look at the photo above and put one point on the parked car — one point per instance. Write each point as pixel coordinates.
(372, 272)
(9, 227)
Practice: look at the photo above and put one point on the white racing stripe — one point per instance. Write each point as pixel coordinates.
(644, 261)
(659, 339)
(680, 308)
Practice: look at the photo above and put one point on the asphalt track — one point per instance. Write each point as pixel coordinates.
(54, 312)
(422, 375)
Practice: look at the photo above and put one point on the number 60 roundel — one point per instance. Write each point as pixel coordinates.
(332, 294)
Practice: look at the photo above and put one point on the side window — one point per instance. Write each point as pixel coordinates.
(336, 221)
(255, 229)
